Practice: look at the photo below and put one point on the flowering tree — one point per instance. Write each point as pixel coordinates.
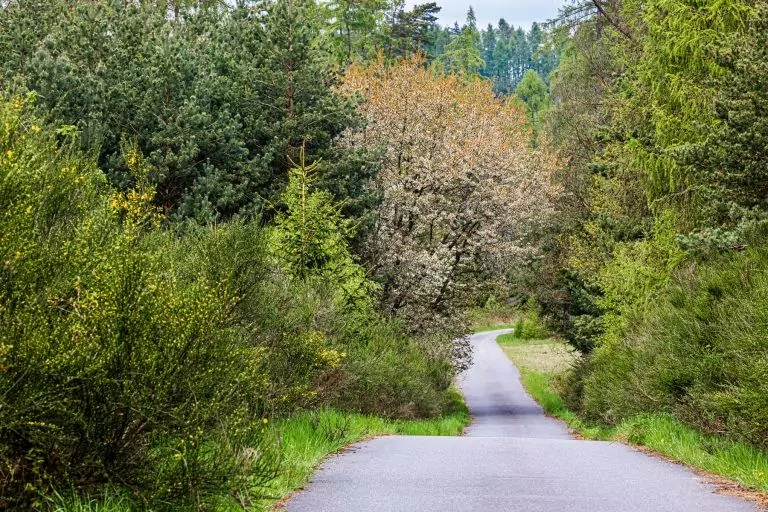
(461, 187)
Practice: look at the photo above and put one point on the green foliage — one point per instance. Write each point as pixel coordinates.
(732, 161)
(672, 89)
(353, 27)
(698, 352)
(310, 238)
(114, 336)
(409, 32)
(494, 315)
(659, 114)
(384, 362)
(308, 437)
(510, 53)
(532, 91)
(217, 99)
(462, 53)
(129, 355)
(639, 270)
(661, 433)
(529, 325)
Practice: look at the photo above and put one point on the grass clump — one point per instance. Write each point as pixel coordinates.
(541, 386)
(304, 440)
(664, 434)
(310, 436)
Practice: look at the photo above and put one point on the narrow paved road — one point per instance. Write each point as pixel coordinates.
(514, 459)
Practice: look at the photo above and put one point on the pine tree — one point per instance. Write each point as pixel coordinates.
(463, 52)
(410, 31)
(488, 37)
(216, 99)
(354, 27)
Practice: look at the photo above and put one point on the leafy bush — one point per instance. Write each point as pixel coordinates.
(699, 352)
(388, 373)
(115, 336)
(381, 370)
(529, 324)
(131, 355)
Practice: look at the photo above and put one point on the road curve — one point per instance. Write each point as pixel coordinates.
(513, 459)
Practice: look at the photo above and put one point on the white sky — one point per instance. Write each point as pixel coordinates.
(516, 12)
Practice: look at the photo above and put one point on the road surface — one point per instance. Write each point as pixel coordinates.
(513, 459)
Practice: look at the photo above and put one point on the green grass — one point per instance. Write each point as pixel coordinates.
(660, 433)
(307, 438)
(304, 441)
(539, 386)
(511, 339)
(111, 501)
(664, 434)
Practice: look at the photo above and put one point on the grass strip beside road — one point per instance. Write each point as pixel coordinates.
(658, 432)
(308, 438)
(303, 441)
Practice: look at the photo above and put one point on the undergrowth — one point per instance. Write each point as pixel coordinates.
(304, 440)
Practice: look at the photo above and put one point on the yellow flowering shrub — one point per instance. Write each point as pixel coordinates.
(114, 334)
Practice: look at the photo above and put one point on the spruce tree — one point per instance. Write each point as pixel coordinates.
(463, 52)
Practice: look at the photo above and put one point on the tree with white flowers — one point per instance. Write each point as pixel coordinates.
(461, 188)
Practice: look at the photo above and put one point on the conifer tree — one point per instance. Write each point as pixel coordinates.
(463, 52)
(217, 99)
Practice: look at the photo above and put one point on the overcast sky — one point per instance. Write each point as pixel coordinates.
(516, 12)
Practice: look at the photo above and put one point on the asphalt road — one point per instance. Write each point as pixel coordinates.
(513, 459)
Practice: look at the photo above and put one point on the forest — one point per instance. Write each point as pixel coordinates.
(226, 230)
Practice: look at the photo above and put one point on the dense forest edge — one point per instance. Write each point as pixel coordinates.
(654, 269)
(234, 239)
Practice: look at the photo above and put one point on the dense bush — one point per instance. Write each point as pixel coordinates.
(660, 114)
(388, 374)
(115, 338)
(132, 356)
(699, 352)
(383, 370)
(529, 324)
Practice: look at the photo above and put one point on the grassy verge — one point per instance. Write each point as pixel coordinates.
(304, 440)
(660, 433)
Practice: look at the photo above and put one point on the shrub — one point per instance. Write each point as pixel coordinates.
(115, 337)
(388, 373)
(529, 324)
(131, 355)
(698, 353)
